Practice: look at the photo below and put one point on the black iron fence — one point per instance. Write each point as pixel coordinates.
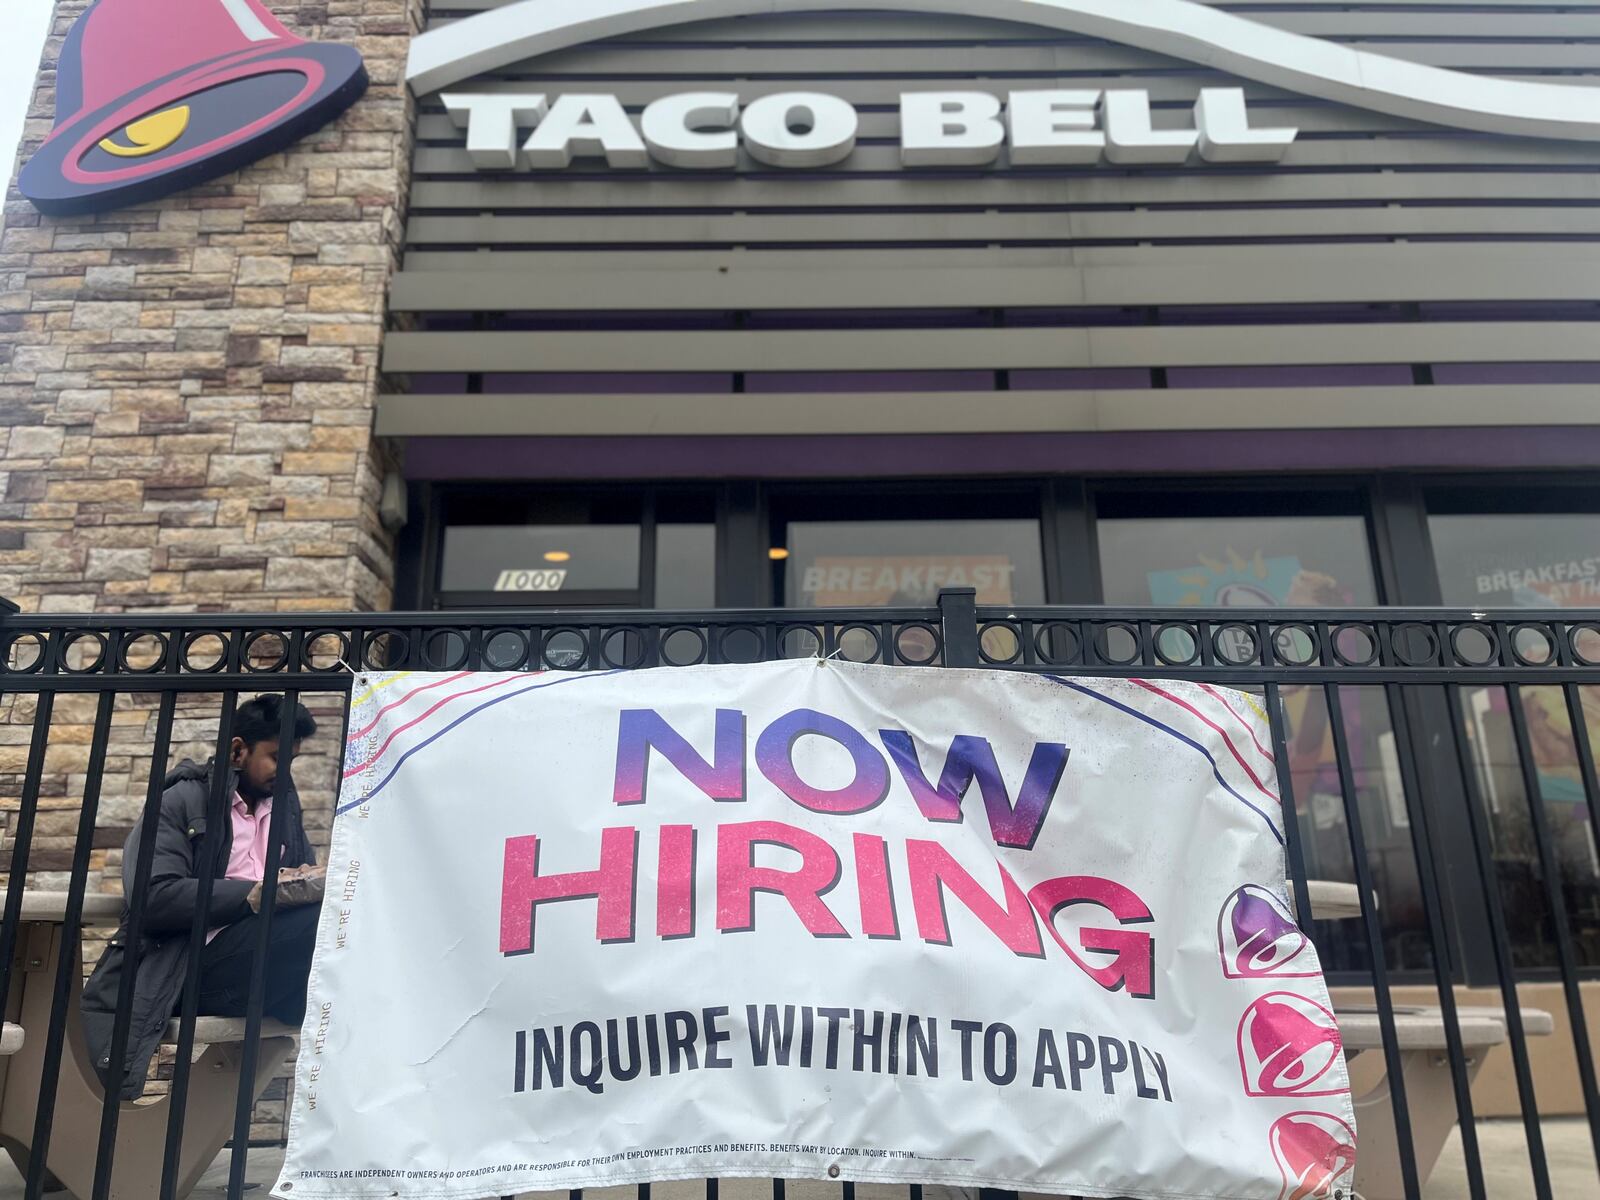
(1442, 762)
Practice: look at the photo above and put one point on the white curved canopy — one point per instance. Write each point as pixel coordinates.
(1179, 28)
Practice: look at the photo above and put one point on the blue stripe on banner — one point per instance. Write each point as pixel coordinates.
(1182, 737)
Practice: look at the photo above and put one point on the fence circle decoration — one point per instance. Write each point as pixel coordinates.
(1407, 634)
(1475, 644)
(1584, 639)
(565, 649)
(311, 650)
(859, 643)
(800, 641)
(1177, 645)
(916, 644)
(633, 642)
(142, 652)
(739, 644)
(75, 662)
(683, 646)
(398, 648)
(504, 649)
(198, 646)
(1124, 634)
(1533, 645)
(1058, 644)
(1354, 645)
(1236, 644)
(264, 665)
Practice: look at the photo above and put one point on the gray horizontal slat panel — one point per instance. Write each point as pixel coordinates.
(443, 10)
(1353, 152)
(1231, 258)
(1307, 118)
(1332, 21)
(885, 92)
(967, 412)
(658, 191)
(606, 60)
(1434, 24)
(1356, 273)
(739, 229)
(778, 29)
(977, 349)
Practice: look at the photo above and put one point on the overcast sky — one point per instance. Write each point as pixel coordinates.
(22, 29)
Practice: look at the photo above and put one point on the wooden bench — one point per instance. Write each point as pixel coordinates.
(142, 1124)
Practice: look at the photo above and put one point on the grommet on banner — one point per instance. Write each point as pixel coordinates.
(833, 1170)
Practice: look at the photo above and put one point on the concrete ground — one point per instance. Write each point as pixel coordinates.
(1503, 1148)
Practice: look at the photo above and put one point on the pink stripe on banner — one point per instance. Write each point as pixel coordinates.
(367, 728)
(1226, 740)
(362, 766)
(1248, 728)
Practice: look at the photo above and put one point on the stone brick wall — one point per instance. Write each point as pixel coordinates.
(186, 396)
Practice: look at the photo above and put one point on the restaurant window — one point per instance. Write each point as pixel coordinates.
(577, 548)
(1533, 549)
(1172, 555)
(902, 550)
(1275, 550)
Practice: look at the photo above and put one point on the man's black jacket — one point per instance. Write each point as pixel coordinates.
(168, 915)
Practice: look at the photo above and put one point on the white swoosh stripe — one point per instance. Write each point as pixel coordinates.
(1179, 28)
(251, 26)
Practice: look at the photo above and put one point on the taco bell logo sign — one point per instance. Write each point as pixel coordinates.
(1316, 1153)
(154, 96)
(1289, 1046)
(1257, 938)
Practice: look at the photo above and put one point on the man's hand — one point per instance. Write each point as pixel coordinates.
(296, 886)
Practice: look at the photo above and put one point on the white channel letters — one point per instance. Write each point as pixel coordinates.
(703, 130)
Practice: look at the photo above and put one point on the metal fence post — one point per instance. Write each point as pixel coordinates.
(958, 626)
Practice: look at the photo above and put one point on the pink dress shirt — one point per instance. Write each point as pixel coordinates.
(247, 857)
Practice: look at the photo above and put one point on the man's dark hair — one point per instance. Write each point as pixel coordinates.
(261, 719)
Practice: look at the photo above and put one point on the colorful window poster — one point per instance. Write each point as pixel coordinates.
(1254, 582)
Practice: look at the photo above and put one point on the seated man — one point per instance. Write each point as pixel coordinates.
(232, 916)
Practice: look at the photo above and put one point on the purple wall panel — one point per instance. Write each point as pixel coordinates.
(1517, 372)
(881, 456)
(869, 381)
(1339, 375)
(659, 383)
(437, 384)
(1080, 378)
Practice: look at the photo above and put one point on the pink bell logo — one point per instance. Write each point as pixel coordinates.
(1289, 1046)
(1257, 938)
(157, 95)
(1316, 1153)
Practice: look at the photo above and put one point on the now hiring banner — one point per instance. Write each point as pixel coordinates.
(812, 919)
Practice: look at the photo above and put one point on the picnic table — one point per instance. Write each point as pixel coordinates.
(142, 1124)
(1425, 1069)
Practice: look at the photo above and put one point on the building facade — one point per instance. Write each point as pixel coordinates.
(413, 360)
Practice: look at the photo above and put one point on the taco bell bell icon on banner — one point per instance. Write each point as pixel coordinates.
(1289, 1046)
(1316, 1153)
(1257, 938)
(156, 95)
